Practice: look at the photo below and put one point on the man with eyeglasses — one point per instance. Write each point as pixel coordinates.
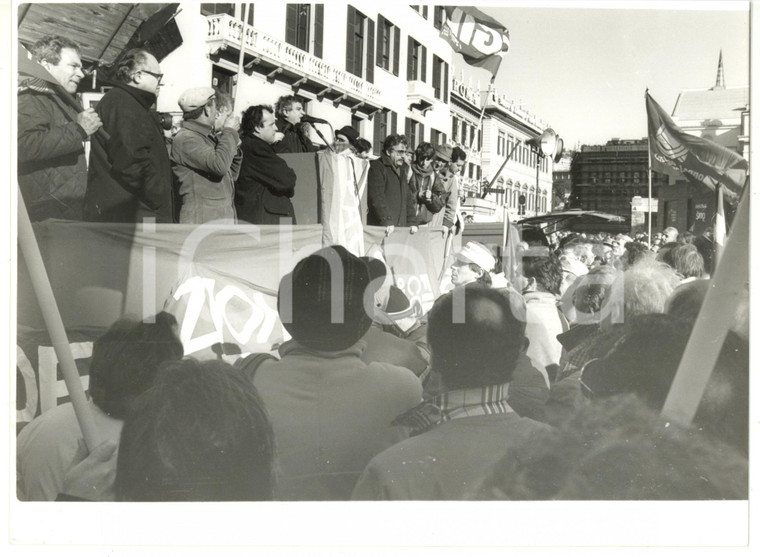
(130, 176)
(52, 170)
(390, 202)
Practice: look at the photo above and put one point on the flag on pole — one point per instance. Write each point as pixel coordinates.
(480, 39)
(702, 161)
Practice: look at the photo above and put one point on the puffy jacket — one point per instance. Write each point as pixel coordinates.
(130, 176)
(52, 171)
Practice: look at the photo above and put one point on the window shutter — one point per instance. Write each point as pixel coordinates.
(378, 134)
(370, 50)
(380, 40)
(421, 138)
(350, 40)
(437, 77)
(409, 56)
(396, 48)
(445, 82)
(394, 123)
(319, 29)
(291, 23)
(423, 63)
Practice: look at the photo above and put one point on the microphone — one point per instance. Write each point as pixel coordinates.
(307, 118)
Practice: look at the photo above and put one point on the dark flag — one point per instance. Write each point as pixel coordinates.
(702, 161)
(480, 39)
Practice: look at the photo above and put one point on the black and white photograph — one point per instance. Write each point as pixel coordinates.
(341, 277)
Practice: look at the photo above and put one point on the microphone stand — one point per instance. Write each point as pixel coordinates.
(322, 137)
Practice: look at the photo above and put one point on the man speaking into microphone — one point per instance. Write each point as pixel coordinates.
(294, 124)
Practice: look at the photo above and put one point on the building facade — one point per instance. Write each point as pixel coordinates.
(607, 177)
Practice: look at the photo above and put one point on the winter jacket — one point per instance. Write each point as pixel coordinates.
(52, 170)
(295, 140)
(390, 202)
(130, 176)
(206, 166)
(265, 185)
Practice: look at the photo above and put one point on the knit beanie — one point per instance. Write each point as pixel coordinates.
(320, 315)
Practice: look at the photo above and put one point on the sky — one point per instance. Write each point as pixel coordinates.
(583, 68)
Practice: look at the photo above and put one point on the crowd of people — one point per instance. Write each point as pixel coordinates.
(213, 166)
(543, 384)
(548, 386)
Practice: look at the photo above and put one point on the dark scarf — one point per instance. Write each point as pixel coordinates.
(423, 174)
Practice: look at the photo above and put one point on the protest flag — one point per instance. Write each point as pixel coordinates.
(480, 39)
(719, 234)
(701, 161)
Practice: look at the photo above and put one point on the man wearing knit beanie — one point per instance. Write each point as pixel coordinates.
(331, 412)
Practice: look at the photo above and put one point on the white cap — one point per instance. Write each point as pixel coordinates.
(475, 252)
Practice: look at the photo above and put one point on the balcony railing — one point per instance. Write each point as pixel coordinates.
(224, 30)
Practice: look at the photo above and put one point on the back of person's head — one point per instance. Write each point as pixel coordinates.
(133, 60)
(476, 335)
(592, 290)
(687, 262)
(686, 237)
(645, 360)
(48, 49)
(665, 254)
(321, 302)
(201, 433)
(706, 249)
(618, 449)
(686, 300)
(635, 252)
(646, 287)
(126, 358)
(253, 118)
(546, 271)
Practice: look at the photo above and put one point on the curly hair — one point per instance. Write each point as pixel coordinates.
(48, 49)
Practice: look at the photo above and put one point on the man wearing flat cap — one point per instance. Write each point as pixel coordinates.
(206, 158)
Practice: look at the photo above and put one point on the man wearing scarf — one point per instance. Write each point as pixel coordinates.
(130, 176)
(423, 184)
(52, 171)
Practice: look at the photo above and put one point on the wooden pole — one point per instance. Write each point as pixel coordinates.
(54, 324)
(713, 322)
(241, 59)
(649, 198)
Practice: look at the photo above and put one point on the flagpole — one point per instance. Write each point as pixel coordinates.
(241, 59)
(52, 316)
(482, 112)
(649, 202)
(715, 318)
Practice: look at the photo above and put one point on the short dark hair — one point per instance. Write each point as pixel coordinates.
(201, 433)
(423, 152)
(126, 358)
(253, 117)
(635, 251)
(131, 62)
(392, 140)
(48, 49)
(687, 261)
(285, 103)
(546, 270)
(362, 145)
(478, 346)
(457, 154)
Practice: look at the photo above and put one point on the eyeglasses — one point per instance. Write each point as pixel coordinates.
(158, 76)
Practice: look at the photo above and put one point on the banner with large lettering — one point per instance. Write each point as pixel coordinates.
(479, 38)
(219, 281)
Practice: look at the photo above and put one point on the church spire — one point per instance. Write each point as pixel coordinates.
(720, 82)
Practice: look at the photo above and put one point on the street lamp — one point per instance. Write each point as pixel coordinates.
(548, 144)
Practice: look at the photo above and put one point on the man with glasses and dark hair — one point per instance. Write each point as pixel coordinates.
(130, 176)
(52, 171)
(390, 202)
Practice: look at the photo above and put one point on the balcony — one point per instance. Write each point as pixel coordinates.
(277, 59)
(420, 95)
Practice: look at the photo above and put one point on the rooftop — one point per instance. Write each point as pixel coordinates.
(711, 104)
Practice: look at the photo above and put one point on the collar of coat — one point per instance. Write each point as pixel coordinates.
(386, 160)
(195, 126)
(145, 98)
